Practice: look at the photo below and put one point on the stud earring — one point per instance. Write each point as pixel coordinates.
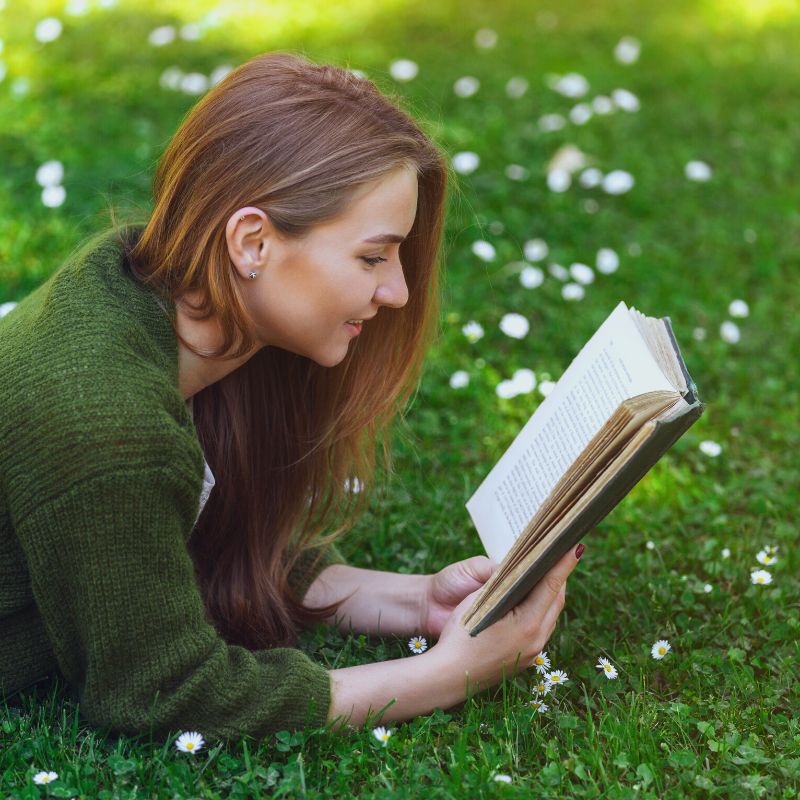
(253, 274)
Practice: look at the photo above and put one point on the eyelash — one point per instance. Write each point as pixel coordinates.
(373, 260)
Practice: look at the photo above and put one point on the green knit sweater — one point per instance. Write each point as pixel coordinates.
(101, 482)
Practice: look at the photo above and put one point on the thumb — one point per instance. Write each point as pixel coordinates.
(480, 567)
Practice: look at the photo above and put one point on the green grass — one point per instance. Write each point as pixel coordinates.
(717, 82)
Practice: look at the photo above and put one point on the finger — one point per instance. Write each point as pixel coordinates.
(542, 595)
(550, 620)
(480, 567)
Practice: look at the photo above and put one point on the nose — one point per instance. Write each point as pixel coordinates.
(392, 290)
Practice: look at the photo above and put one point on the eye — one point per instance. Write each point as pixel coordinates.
(373, 260)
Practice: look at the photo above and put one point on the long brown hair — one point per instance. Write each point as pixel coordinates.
(283, 435)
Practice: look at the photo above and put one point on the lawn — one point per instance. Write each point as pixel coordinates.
(712, 82)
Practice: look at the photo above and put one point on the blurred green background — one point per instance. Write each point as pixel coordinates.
(717, 81)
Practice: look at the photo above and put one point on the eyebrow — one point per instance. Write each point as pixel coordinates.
(386, 238)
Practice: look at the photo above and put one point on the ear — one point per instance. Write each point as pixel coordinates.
(248, 234)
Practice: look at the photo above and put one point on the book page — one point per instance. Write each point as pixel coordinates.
(615, 364)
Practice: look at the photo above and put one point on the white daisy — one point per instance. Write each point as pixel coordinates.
(729, 332)
(53, 196)
(485, 38)
(48, 29)
(466, 86)
(162, 35)
(558, 272)
(535, 249)
(602, 105)
(770, 549)
(650, 545)
(708, 588)
(484, 250)
(506, 390)
(531, 277)
(582, 273)
(580, 113)
(45, 777)
(763, 557)
(699, 334)
(738, 308)
(609, 670)
(607, 260)
(541, 662)
(473, 330)
(726, 553)
(590, 178)
(466, 162)
(618, 181)
(538, 706)
(516, 87)
(51, 173)
(660, 649)
(545, 387)
(218, 73)
(698, 171)
(190, 32)
(572, 84)
(381, 734)
(502, 778)
(551, 122)
(627, 50)
(516, 172)
(459, 379)
(403, 69)
(710, 448)
(556, 677)
(514, 325)
(417, 644)
(625, 100)
(573, 291)
(558, 180)
(189, 742)
(760, 576)
(542, 688)
(524, 380)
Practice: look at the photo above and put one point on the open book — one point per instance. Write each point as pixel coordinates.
(621, 404)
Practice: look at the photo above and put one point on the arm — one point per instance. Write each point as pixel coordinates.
(384, 603)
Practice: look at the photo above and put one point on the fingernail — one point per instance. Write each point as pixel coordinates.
(579, 551)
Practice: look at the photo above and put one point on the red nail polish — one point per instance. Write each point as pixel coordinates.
(579, 551)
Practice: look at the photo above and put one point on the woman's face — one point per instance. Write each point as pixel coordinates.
(307, 289)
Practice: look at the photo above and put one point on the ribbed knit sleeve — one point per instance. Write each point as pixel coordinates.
(311, 563)
(116, 588)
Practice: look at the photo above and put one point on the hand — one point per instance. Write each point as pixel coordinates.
(448, 587)
(509, 645)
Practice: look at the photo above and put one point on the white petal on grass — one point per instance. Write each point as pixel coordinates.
(627, 50)
(466, 162)
(699, 334)
(516, 87)
(531, 277)
(51, 173)
(710, 448)
(582, 273)
(573, 84)
(603, 105)
(54, 196)
(514, 325)
(590, 178)
(738, 308)
(551, 122)
(485, 38)
(164, 34)
(404, 69)
(194, 83)
(558, 180)
(707, 588)
(618, 181)
(572, 291)
(569, 158)
(607, 261)
(545, 387)
(581, 113)
(466, 86)
(726, 552)
(729, 332)
(190, 32)
(698, 171)
(506, 390)
(650, 545)
(502, 778)
(6, 307)
(535, 249)
(558, 272)
(48, 29)
(516, 172)
(459, 379)
(625, 100)
(473, 330)
(761, 576)
(484, 250)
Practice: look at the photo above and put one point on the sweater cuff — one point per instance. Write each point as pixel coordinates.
(310, 564)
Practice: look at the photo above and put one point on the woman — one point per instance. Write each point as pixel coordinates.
(263, 326)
